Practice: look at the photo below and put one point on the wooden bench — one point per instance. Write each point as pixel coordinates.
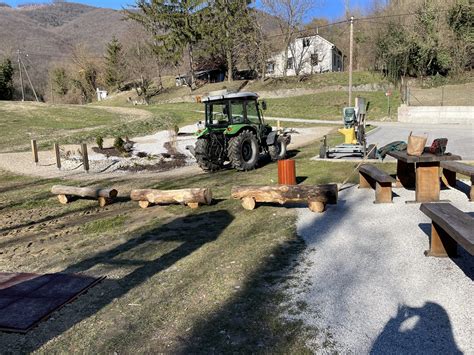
(372, 177)
(67, 194)
(317, 196)
(450, 168)
(449, 228)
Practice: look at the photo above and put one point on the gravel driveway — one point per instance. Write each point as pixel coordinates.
(371, 286)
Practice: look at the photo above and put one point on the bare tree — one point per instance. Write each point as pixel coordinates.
(290, 14)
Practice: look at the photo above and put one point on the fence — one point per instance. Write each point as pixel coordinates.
(450, 95)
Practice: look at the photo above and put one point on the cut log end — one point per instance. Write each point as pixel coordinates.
(193, 204)
(316, 206)
(143, 204)
(248, 203)
(103, 201)
(63, 199)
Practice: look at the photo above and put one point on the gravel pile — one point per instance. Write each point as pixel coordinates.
(372, 286)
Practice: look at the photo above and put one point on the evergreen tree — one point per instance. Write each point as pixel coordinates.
(60, 81)
(231, 28)
(6, 80)
(114, 64)
(176, 26)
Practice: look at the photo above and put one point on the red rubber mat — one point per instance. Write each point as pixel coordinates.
(27, 299)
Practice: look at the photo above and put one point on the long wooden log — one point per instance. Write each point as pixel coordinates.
(317, 196)
(191, 197)
(94, 192)
(67, 193)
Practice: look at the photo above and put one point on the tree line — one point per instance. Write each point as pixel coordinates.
(398, 38)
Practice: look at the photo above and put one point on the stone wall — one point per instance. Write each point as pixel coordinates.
(463, 115)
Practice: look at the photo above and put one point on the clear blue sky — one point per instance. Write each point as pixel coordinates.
(331, 9)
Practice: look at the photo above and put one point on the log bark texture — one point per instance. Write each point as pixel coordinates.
(94, 192)
(191, 197)
(326, 194)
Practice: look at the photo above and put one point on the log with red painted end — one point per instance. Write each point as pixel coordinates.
(317, 196)
(192, 197)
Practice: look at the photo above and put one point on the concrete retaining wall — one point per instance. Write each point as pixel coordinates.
(463, 115)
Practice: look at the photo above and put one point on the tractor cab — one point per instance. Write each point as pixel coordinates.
(232, 109)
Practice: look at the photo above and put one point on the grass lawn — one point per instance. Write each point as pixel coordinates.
(329, 105)
(22, 121)
(178, 280)
(317, 81)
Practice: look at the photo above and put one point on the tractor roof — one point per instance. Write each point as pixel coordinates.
(226, 96)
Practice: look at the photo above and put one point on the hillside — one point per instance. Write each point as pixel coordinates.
(48, 33)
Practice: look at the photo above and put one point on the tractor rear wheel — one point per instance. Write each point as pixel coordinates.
(204, 156)
(277, 151)
(243, 151)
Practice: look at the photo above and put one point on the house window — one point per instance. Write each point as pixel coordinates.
(306, 42)
(290, 63)
(270, 68)
(314, 59)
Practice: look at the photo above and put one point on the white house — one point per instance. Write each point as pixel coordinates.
(306, 55)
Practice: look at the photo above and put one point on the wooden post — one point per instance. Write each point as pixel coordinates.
(58, 156)
(441, 244)
(34, 149)
(85, 157)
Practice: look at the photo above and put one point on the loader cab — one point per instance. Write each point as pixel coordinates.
(232, 109)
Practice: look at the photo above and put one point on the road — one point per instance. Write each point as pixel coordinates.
(460, 138)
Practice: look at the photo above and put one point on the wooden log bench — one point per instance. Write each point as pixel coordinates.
(372, 177)
(191, 197)
(68, 193)
(317, 196)
(449, 228)
(450, 168)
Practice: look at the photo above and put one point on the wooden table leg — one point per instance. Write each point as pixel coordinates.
(427, 182)
(471, 192)
(405, 174)
(441, 244)
(449, 178)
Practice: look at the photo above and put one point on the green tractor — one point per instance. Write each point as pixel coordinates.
(234, 132)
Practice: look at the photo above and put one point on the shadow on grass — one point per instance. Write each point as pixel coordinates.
(128, 253)
(250, 322)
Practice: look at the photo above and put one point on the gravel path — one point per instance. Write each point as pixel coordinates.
(106, 168)
(371, 286)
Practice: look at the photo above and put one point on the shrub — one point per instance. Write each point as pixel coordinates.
(100, 142)
(118, 144)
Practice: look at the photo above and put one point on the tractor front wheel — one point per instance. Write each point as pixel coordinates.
(243, 151)
(277, 151)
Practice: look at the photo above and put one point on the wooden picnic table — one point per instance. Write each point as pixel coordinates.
(421, 172)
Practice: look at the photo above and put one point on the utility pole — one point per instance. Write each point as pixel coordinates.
(29, 80)
(21, 77)
(351, 44)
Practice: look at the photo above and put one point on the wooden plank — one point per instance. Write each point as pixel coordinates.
(458, 167)
(459, 225)
(376, 173)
